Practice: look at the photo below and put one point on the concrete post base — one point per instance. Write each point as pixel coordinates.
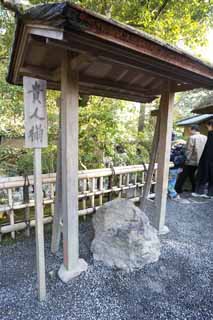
(66, 275)
(163, 231)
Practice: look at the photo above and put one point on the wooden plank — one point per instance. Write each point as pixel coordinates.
(166, 113)
(113, 93)
(41, 73)
(21, 54)
(40, 258)
(47, 32)
(69, 133)
(148, 183)
(82, 60)
(120, 87)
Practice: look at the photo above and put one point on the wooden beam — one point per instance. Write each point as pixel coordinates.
(46, 31)
(93, 86)
(72, 265)
(34, 71)
(69, 135)
(166, 113)
(151, 167)
(21, 54)
(58, 212)
(40, 258)
(114, 86)
(115, 94)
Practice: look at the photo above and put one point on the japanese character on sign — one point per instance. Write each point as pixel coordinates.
(36, 89)
(36, 133)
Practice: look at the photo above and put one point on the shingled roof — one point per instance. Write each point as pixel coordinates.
(194, 120)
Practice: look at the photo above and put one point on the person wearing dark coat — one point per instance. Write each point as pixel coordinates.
(205, 168)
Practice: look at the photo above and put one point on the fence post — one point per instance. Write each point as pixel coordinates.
(11, 211)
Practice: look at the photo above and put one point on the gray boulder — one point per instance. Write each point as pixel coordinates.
(123, 236)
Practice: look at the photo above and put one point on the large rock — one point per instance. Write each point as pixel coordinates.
(123, 236)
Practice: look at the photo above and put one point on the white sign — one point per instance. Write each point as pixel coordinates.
(35, 113)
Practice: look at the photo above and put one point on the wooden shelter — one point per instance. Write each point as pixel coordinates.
(78, 51)
(200, 120)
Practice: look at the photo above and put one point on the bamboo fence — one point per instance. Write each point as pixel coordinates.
(95, 188)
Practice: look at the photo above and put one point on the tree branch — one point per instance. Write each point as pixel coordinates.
(16, 6)
(161, 9)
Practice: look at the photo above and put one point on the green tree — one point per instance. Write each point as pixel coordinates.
(171, 20)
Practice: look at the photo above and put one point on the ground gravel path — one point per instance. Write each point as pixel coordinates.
(179, 286)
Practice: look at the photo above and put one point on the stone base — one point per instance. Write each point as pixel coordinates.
(66, 275)
(163, 231)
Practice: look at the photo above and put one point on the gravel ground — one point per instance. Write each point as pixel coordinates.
(179, 286)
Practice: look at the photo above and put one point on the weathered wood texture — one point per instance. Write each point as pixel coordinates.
(151, 167)
(40, 257)
(58, 212)
(164, 149)
(69, 140)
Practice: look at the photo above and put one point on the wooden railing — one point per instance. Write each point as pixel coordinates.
(95, 188)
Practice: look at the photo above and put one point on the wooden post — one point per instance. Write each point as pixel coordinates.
(72, 266)
(58, 210)
(101, 187)
(92, 189)
(84, 202)
(152, 161)
(39, 224)
(166, 112)
(11, 211)
(120, 185)
(52, 194)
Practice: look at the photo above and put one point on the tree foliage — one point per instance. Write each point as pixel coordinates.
(171, 20)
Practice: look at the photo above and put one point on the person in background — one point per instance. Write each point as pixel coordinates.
(205, 168)
(177, 157)
(194, 149)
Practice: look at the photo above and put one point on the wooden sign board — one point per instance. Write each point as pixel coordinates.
(35, 113)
